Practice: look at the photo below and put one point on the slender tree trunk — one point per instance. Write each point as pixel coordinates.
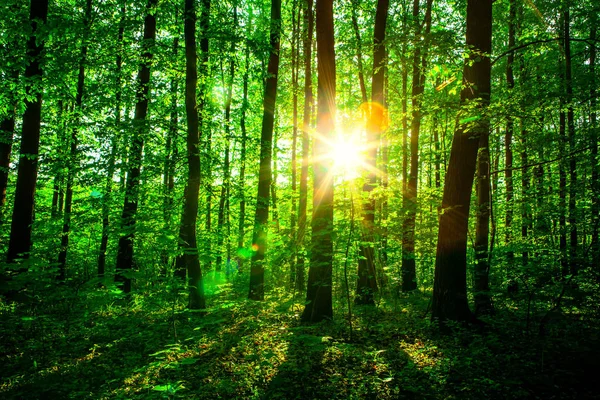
(595, 167)
(293, 212)
(20, 233)
(409, 201)
(450, 283)
(169, 167)
(140, 129)
(113, 152)
(508, 138)
(359, 57)
(261, 218)
(242, 181)
(187, 233)
(483, 301)
(73, 160)
(274, 210)
(226, 172)
(562, 173)
(306, 126)
(525, 183)
(574, 256)
(319, 287)
(367, 283)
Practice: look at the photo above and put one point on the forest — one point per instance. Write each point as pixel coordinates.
(299, 199)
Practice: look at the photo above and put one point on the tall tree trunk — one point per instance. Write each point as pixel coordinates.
(508, 138)
(73, 160)
(306, 125)
(562, 171)
(483, 301)
(261, 217)
(106, 201)
(359, 56)
(595, 167)
(140, 129)
(242, 181)
(187, 233)
(293, 212)
(20, 231)
(525, 183)
(574, 256)
(450, 283)
(319, 287)
(409, 200)
(367, 283)
(226, 173)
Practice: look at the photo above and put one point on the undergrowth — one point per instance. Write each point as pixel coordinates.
(89, 342)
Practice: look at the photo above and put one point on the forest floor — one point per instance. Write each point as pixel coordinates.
(90, 343)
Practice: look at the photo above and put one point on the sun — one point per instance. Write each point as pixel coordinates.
(348, 156)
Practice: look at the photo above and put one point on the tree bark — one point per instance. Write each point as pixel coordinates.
(261, 218)
(367, 282)
(140, 129)
(573, 234)
(483, 301)
(306, 126)
(409, 200)
(595, 168)
(106, 201)
(508, 138)
(450, 283)
(319, 288)
(226, 172)
(20, 233)
(73, 160)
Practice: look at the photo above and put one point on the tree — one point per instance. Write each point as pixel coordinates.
(450, 283)
(113, 151)
(140, 129)
(483, 301)
(261, 217)
(20, 232)
(409, 275)
(73, 160)
(187, 233)
(306, 127)
(319, 291)
(367, 283)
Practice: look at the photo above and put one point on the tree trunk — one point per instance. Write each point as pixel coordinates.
(140, 129)
(483, 301)
(73, 160)
(319, 287)
(573, 256)
(306, 124)
(595, 168)
(409, 200)
(20, 233)
(450, 283)
(113, 152)
(242, 182)
(508, 164)
(226, 173)
(187, 233)
(367, 283)
(261, 217)
(293, 212)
